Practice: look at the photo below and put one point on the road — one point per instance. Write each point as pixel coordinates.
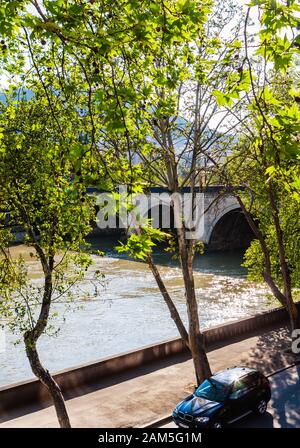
(284, 407)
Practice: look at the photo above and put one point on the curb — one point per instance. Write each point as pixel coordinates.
(161, 421)
(168, 418)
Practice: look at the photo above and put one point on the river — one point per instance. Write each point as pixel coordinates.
(128, 312)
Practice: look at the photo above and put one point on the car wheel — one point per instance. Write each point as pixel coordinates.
(261, 407)
(217, 425)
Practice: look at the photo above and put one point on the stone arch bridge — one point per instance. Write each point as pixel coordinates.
(223, 225)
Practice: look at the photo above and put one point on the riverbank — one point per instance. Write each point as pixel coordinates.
(137, 397)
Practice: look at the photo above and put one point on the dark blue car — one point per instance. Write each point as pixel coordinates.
(224, 398)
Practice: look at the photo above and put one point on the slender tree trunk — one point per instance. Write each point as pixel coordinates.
(196, 339)
(31, 337)
(47, 380)
(267, 274)
(284, 298)
(275, 290)
(290, 304)
(169, 302)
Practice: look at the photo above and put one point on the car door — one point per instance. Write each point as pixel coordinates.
(250, 391)
(244, 394)
(237, 401)
(239, 397)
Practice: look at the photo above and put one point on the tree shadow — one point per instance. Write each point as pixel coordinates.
(271, 352)
(286, 397)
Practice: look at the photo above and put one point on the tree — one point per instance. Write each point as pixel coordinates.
(154, 76)
(39, 189)
(278, 121)
(183, 126)
(114, 47)
(289, 215)
(273, 217)
(164, 107)
(270, 148)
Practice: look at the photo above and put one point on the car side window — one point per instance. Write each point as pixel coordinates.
(254, 378)
(237, 390)
(261, 380)
(243, 385)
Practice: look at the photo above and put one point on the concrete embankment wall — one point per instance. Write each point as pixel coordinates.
(32, 392)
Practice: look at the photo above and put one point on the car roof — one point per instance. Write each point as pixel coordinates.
(228, 376)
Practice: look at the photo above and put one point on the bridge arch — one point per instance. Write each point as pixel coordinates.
(230, 230)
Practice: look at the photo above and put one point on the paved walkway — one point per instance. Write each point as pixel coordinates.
(138, 397)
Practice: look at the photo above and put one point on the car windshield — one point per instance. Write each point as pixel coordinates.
(213, 390)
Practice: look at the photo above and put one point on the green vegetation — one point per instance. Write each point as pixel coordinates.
(35, 186)
(169, 93)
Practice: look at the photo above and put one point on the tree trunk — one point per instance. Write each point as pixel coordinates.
(31, 337)
(284, 298)
(291, 306)
(196, 339)
(47, 380)
(267, 274)
(169, 302)
(275, 290)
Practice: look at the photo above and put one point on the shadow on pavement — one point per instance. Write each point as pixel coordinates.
(271, 351)
(284, 407)
(286, 398)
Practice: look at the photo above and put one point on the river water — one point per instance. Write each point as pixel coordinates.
(128, 312)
